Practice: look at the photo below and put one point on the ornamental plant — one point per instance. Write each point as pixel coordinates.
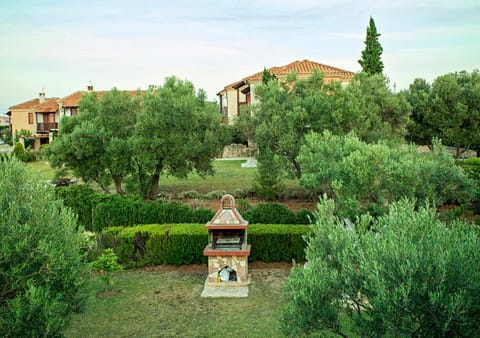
(105, 265)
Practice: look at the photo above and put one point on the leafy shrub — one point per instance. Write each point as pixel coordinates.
(42, 270)
(189, 194)
(409, 276)
(277, 242)
(367, 178)
(270, 213)
(104, 265)
(19, 151)
(216, 194)
(202, 215)
(305, 216)
(471, 166)
(124, 211)
(80, 198)
(242, 205)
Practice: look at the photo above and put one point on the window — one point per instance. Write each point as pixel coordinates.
(30, 118)
(73, 111)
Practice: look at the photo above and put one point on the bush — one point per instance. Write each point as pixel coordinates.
(217, 194)
(179, 244)
(42, 270)
(270, 213)
(305, 216)
(81, 199)
(189, 194)
(19, 151)
(409, 276)
(277, 242)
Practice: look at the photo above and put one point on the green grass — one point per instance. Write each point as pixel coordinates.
(42, 168)
(229, 176)
(168, 303)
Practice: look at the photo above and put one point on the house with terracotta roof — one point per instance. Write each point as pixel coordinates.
(242, 92)
(40, 116)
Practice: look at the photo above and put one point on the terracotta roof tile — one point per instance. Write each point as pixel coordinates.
(304, 67)
(73, 99)
(49, 106)
(26, 105)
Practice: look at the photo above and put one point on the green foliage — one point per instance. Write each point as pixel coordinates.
(270, 213)
(448, 109)
(216, 194)
(277, 242)
(471, 166)
(105, 265)
(371, 61)
(365, 177)
(81, 199)
(267, 77)
(116, 210)
(42, 269)
(189, 194)
(287, 111)
(19, 151)
(176, 132)
(179, 244)
(410, 275)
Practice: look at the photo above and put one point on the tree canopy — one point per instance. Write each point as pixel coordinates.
(448, 109)
(168, 130)
(177, 131)
(371, 61)
(288, 110)
(364, 177)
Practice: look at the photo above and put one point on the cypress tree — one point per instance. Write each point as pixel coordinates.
(371, 62)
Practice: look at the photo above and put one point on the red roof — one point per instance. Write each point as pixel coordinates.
(304, 67)
(73, 99)
(301, 68)
(26, 105)
(49, 106)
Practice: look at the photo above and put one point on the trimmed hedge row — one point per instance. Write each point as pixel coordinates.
(179, 244)
(97, 211)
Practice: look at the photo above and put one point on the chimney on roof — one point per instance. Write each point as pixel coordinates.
(41, 96)
(90, 87)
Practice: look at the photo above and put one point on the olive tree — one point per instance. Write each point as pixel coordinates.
(177, 131)
(410, 275)
(42, 268)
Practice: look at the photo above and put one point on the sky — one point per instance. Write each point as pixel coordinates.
(60, 47)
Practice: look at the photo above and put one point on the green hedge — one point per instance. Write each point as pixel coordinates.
(179, 244)
(125, 211)
(97, 211)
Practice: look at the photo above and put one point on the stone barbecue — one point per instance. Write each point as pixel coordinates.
(227, 251)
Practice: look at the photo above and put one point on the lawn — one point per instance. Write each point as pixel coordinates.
(166, 303)
(229, 176)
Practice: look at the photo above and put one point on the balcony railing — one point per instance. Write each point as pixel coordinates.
(46, 127)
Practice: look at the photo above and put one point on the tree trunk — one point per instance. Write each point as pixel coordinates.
(154, 179)
(152, 194)
(118, 184)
